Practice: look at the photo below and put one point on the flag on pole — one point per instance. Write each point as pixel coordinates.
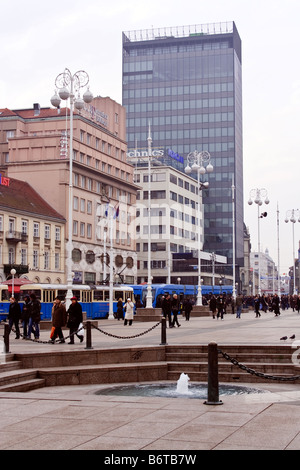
(116, 211)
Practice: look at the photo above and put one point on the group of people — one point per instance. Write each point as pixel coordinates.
(172, 307)
(62, 317)
(30, 316)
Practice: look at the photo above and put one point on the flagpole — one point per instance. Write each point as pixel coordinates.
(149, 299)
(111, 274)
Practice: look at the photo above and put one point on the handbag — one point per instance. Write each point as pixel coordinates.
(52, 332)
(80, 331)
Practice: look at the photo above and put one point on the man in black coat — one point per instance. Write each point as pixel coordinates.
(74, 319)
(14, 315)
(166, 308)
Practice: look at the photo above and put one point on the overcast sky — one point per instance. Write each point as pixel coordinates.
(39, 39)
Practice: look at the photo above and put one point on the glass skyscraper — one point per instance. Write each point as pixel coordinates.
(187, 83)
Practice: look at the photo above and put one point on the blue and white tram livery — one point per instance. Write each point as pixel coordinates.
(158, 290)
(93, 299)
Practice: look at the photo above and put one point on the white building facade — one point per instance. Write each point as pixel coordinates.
(174, 221)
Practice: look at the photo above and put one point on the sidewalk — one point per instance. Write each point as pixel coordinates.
(76, 418)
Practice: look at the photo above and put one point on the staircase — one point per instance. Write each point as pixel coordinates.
(13, 378)
(193, 360)
(23, 373)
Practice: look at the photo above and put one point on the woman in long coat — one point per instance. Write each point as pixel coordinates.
(59, 319)
(120, 309)
(129, 308)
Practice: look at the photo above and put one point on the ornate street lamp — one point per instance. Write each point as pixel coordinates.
(67, 85)
(259, 196)
(199, 162)
(291, 216)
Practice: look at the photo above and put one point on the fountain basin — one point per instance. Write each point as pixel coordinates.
(170, 390)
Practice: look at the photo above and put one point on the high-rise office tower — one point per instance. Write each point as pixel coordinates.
(187, 83)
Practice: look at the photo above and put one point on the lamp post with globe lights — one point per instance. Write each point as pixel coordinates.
(67, 85)
(199, 162)
(291, 216)
(259, 196)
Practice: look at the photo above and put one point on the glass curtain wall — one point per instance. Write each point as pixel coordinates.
(189, 89)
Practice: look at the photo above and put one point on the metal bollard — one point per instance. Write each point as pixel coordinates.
(6, 338)
(88, 344)
(163, 331)
(213, 376)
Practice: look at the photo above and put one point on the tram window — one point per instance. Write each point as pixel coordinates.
(86, 296)
(106, 295)
(98, 295)
(24, 292)
(119, 294)
(76, 294)
(49, 296)
(5, 295)
(61, 294)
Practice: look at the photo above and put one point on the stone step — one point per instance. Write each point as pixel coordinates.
(15, 376)
(104, 373)
(240, 357)
(10, 365)
(23, 386)
(238, 377)
(266, 368)
(233, 349)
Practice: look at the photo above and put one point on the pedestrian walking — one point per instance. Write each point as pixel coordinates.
(257, 306)
(129, 308)
(59, 317)
(239, 305)
(34, 317)
(213, 305)
(166, 309)
(221, 306)
(120, 312)
(25, 315)
(14, 315)
(75, 318)
(187, 307)
(174, 309)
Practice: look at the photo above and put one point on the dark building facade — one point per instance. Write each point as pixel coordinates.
(186, 82)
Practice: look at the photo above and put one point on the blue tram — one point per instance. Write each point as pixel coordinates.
(158, 290)
(93, 299)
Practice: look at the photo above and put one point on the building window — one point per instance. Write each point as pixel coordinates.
(35, 259)
(57, 261)
(46, 260)
(90, 257)
(75, 227)
(76, 255)
(89, 230)
(25, 227)
(89, 207)
(57, 234)
(47, 231)
(36, 229)
(82, 229)
(11, 256)
(23, 256)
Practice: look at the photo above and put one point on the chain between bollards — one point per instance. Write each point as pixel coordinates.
(213, 376)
